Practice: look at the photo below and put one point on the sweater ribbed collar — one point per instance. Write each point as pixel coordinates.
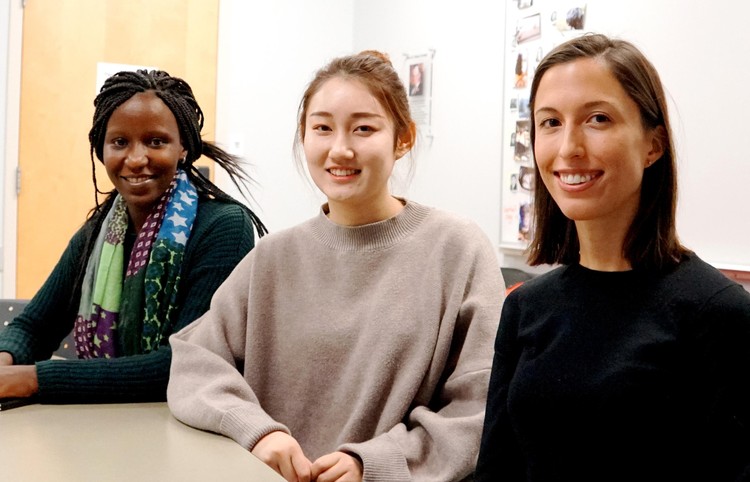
(369, 237)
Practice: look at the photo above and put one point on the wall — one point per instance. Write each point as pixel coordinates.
(258, 118)
(459, 168)
(704, 70)
(268, 51)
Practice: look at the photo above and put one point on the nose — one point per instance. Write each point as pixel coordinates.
(137, 156)
(341, 147)
(572, 143)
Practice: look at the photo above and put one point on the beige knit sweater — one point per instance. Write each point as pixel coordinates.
(376, 340)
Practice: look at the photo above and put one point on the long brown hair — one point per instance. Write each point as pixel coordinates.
(651, 240)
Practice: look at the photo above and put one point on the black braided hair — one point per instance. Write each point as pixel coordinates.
(179, 98)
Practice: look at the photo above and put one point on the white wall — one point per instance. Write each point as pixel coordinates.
(698, 51)
(460, 169)
(268, 51)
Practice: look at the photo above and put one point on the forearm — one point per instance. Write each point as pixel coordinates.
(139, 378)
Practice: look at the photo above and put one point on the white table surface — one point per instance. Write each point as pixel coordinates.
(118, 442)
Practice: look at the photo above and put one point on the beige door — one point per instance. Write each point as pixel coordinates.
(63, 40)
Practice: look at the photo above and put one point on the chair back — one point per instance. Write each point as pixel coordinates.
(10, 308)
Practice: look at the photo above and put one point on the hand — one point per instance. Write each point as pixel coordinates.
(337, 467)
(283, 454)
(18, 381)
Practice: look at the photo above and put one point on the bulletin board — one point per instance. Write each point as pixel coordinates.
(533, 28)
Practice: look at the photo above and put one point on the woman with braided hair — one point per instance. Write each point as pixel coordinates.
(145, 263)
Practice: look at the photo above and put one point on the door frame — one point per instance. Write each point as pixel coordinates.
(10, 164)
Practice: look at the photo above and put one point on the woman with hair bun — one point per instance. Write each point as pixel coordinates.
(356, 345)
(144, 264)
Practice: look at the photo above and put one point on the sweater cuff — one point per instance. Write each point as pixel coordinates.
(246, 427)
(382, 460)
(20, 353)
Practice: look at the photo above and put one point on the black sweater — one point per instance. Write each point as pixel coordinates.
(634, 376)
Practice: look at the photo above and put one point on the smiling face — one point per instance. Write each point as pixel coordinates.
(590, 144)
(349, 147)
(141, 151)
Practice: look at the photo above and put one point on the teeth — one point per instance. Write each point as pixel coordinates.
(576, 178)
(135, 180)
(342, 172)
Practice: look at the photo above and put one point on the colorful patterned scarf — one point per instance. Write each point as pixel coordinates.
(130, 316)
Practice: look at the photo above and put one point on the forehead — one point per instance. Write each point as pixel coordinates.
(580, 81)
(342, 95)
(144, 106)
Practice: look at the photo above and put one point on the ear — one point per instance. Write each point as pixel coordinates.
(406, 141)
(656, 145)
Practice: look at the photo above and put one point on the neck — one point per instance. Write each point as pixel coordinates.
(347, 214)
(601, 246)
(136, 221)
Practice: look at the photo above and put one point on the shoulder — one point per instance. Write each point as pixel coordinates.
(287, 237)
(694, 278)
(211, 209)
(222, 223)
(542, 285)
(225, 216)
(699, 284)
(445, 225)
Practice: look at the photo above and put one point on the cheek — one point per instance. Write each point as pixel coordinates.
(544, 152)
(315, 151)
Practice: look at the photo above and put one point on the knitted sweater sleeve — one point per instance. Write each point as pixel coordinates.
(721, 334)
(439, 437)
(206, 388)
(222, 235)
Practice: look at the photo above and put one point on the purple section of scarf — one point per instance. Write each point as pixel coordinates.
(101, 334)
(142, 248)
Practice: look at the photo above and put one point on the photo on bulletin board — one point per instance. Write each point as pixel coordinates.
(522, 151)
(572, 17)
(529, 28)
(417, 78)
(522, 70)
(416, 74)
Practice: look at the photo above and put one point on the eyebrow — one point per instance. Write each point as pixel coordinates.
(355, 115)
(587, 105)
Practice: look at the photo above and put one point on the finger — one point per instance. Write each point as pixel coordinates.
(329, 468)
(302, 467)
(286, 469)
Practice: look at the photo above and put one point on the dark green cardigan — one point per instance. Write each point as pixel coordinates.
(222, 235)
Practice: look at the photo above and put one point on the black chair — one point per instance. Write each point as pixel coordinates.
(10, 308)
(513, 276)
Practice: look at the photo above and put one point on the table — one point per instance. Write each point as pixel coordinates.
(118, 442)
